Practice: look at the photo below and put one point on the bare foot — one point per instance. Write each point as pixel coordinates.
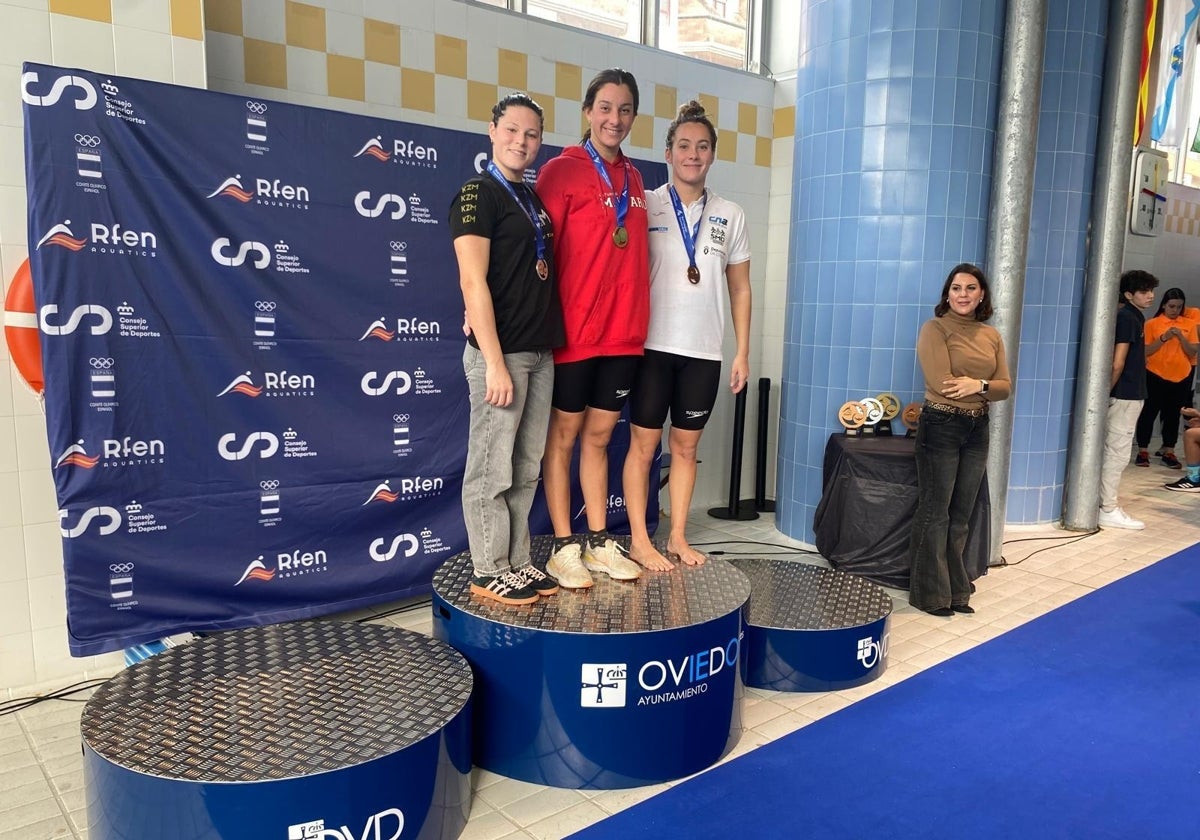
(689, 555)
(648, 556)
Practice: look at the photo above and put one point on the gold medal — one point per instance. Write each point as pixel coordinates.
(620, 237)
(693, 275)
(543, 270)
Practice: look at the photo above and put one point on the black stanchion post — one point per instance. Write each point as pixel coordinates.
(736, 510)
(761, 503)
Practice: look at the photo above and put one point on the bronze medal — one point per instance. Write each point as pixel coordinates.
(693, 275)
(543, 270)
(620, 237)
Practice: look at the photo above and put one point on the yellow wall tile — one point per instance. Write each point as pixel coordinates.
(450, 56)
(100, 10)
(568, 81)
(727, 143)
(666, 102)
(747, 118)
(223, 16)
(266, 63)
(480, 99)
(416, 90)
(187, 21)
(547, 103)
(305, 26)
(347, 79)
(513, 70)
(762, 151)
(642, 134)
(381, 42)
(712, 106)
(785, 121)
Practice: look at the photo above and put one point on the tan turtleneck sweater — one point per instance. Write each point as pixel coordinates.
(953, 345)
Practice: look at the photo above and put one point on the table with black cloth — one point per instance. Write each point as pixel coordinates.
(868, 498)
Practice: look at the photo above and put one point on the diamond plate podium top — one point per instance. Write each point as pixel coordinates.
(687, 596)
(790, 595)
(277, 702)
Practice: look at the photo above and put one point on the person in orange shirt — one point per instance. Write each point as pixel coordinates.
(1171, 346)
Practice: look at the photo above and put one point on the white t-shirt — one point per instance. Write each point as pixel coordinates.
(687, 319)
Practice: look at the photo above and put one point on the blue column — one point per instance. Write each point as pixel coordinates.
(1066, 157)
(895, 121)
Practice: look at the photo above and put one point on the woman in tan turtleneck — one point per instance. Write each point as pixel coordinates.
(965, 370)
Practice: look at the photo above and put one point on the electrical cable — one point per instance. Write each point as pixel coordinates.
(9, 707)
(1070, 541)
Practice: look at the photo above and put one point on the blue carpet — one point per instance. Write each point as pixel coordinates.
(1080, 724)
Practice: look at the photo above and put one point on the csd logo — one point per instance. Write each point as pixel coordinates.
(481, 162)
(381, 205)
(408, 541)
(244, 250)
(87, 100)
(270, 445)
(370, 378)
(112, 515)
(50, 311)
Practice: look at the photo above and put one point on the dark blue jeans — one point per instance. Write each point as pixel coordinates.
(951, 459)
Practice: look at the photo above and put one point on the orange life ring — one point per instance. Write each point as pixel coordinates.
(21, 328)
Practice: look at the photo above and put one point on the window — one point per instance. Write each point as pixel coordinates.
(718, 31)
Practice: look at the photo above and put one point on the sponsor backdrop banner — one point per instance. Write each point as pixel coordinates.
(251, 332)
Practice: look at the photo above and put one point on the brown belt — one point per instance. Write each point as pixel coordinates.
(953, 409)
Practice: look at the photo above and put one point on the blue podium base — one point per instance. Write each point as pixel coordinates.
(812, 629)
(308, 731)
(620, 685)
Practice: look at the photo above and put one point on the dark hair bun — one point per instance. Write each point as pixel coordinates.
(691, 111)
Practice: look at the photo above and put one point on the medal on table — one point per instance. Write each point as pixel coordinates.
(620, 236)
(689, 235)
(530, 209)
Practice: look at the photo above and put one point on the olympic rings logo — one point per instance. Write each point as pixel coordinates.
(399, 418)
(269, 485)
(398, 246)
(256, 107)
(121, 568)
(89, 140)
(101, 364)
(264, 305)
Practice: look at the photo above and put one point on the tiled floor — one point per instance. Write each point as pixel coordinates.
(41, 781)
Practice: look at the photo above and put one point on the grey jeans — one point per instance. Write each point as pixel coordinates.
(951, 459)
(504, 457)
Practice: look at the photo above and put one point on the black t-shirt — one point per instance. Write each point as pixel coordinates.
(1131, 330)
(528, 312)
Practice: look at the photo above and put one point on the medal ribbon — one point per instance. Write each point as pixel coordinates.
(689, 236)
(527, 205)
(622, 207)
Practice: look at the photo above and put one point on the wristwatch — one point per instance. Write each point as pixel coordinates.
(985, 386)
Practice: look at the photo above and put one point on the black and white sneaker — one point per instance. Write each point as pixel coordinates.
(507, 588)
(537, 580)
(1184, 485)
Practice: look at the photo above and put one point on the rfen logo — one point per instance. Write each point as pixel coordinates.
(379, 330)
(374, 148)
(257, 570)
(382, 493)
(362, 203)
(110, 521)
(242, 385)
(76, 456)
(232, 187)
(267, 442)
(50, 311)
(62, 236)
(85, 97)
(245, 249)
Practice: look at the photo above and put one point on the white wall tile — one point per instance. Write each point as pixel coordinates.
(38, 502)
(33, 451)
(344, 34)
(47, 602)
(416, 49)
(450, 19)
(85, 44)
(10, 500)
(483, 64)
(12, 559)
(43, 549)
(14, 618)
(189, 63)
(306, 71)
(16, 660)
(12, 157)
(25, 36)
(153, 15)
(143, 54)
(451, 96)
(8, 446)
(388, 11)
(382, 83)
(265, 21)
(52, 656)
(225, 57)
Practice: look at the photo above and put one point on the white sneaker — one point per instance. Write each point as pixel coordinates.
(1118, 518)
(611, 559)
(567, 567)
